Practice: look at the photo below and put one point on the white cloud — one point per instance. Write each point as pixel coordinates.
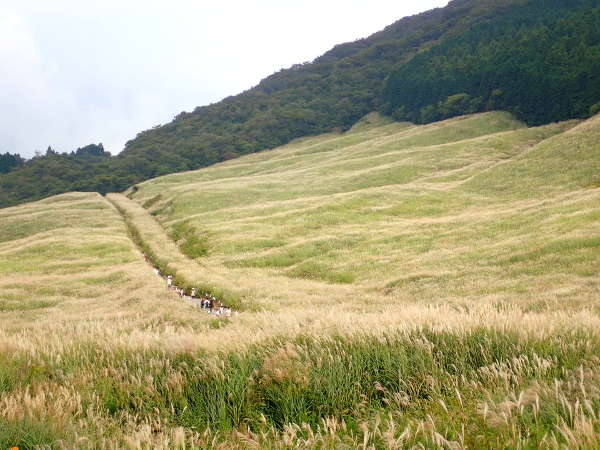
(76, 72)
(25, 84)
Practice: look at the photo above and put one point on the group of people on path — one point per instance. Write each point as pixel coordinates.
(206, 301)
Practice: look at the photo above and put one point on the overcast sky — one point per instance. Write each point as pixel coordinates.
(73, 72)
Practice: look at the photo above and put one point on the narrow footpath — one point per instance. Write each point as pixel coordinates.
(203, 300)
(182, 275)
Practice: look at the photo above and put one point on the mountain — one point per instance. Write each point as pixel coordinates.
(446, 62)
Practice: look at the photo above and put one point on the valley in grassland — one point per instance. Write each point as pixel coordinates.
(398, 285)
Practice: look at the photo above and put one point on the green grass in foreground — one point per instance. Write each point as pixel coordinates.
(28, 435)
(391, 383)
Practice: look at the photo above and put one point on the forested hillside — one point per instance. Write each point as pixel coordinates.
(539, 60)
(446, 62)
(51, 173)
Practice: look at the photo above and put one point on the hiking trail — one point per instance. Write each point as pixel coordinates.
(182, 275)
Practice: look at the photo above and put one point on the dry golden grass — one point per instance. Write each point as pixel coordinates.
(327, 221)
(385, 231)
(79, 283)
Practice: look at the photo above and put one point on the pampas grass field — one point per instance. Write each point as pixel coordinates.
(399, 286)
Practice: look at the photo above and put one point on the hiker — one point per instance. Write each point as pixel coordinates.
(193, 292)
(170, 281)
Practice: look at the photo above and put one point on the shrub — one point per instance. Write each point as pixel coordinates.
(191, 243)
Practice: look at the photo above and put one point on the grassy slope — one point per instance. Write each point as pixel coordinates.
(401, 298)
(70, 281)
(478, 207)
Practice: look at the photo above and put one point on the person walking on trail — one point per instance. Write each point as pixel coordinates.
(193, 292)
(170, 281)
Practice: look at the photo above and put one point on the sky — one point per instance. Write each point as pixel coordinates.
(75, 72)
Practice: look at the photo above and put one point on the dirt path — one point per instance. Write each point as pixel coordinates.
(182, 275)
